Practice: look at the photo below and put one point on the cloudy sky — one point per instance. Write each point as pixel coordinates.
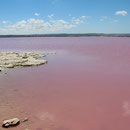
(64, 16)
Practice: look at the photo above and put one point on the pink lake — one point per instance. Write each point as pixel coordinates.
(85, 86)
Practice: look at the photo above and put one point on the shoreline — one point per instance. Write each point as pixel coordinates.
(69, 35)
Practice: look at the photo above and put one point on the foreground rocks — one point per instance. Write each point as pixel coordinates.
(25, 119)
(16, 60)
(11, 122)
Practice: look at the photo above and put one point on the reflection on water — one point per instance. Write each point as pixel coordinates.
(85, 86)
(126, 107)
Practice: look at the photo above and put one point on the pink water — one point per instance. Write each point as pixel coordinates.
(85, 86)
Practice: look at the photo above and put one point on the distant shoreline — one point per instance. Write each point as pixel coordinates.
(67, 35)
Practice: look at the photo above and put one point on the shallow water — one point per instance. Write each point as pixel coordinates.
(85, 86)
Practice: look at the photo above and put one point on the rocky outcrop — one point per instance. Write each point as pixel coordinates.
(16, 60)
(13, 122)
(1, 69)
(10, 122)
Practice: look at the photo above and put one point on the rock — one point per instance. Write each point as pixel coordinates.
(1, 69)
(25, 119)
(10, 122)
(16, 60)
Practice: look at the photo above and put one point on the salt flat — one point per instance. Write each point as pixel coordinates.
(16, 60)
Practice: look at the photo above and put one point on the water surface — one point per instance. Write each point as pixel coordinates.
(85, 86)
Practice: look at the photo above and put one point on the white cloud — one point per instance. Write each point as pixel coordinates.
(36, 14)
(50, 16)
(4, 22)
(103, 18)
(115, 21)
(56, 2)
(77, 20)
(108, 19)
(39, 26)
(83, 17)
(121, 13)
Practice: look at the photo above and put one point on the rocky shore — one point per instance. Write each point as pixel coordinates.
(16, 60)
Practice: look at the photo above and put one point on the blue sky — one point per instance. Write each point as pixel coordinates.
(64, 16)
